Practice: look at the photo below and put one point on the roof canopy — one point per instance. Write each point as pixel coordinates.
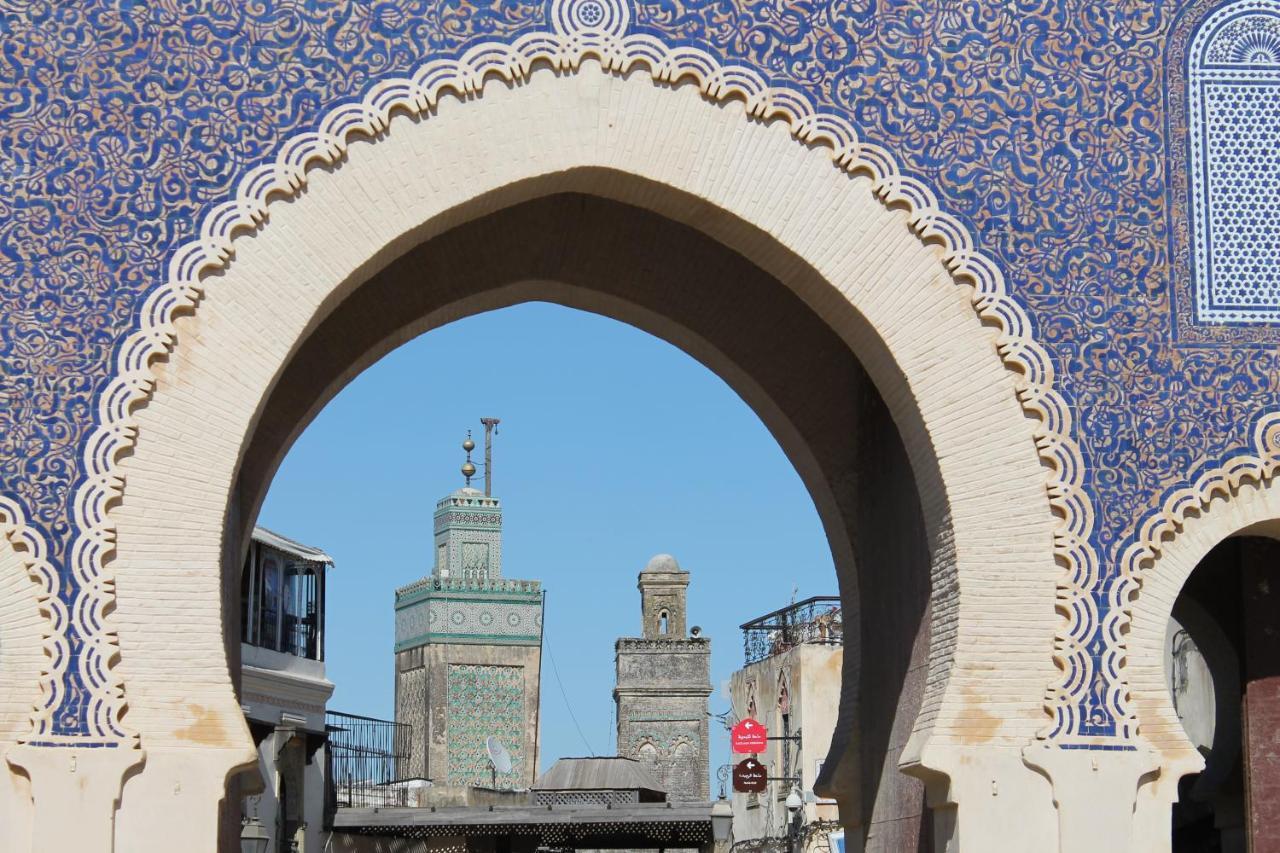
(287, 545)
(613, 773)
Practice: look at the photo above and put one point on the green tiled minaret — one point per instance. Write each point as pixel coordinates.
(468, 647)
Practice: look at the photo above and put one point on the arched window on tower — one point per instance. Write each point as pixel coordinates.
(663, 620)
(647, 754)
(1233, 94)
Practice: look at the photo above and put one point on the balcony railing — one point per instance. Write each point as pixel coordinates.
(367, 759)
(814, 620)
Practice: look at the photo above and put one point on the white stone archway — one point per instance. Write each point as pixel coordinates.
(935, 363)
(1241, 497)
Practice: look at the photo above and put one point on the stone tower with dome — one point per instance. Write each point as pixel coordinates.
(663, 683)
(468, 649)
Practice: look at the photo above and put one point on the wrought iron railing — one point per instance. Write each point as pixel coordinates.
(814, 620)
(366, 761)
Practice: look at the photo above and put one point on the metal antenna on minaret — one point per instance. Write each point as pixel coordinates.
(490, 430)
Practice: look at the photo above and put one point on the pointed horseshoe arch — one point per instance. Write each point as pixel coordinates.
(586, 108)
(1222, 502)
(1236, 498)
(583, 30)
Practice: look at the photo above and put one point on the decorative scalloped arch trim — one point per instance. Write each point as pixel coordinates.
(577, 35)
(1225, 480)
(35, 554)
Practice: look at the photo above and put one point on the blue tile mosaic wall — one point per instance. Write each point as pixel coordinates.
(1059, 131)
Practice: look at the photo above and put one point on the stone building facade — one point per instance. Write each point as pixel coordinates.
(284, 689)
(468, 653)
(789, 682)
(663, 682)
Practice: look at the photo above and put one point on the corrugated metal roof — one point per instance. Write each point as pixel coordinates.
(284, 543)
(613, 773)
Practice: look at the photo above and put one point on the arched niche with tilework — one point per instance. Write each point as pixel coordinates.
(1233, 98)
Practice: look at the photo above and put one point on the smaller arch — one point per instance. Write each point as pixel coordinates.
(1237, 497)
(1245, 502)
(647, 753)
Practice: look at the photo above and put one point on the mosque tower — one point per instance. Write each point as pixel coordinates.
(468, 647)
(663, 683)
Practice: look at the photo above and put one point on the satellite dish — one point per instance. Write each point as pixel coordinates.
(498, 756)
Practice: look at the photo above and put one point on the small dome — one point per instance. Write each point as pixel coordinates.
(663, 563)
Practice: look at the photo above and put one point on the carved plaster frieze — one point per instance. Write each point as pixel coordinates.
(582, 29)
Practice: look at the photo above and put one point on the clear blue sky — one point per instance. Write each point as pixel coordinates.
(614, 446)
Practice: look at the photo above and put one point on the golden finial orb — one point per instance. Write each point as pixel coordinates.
(468, 468)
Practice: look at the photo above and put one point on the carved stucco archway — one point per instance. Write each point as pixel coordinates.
(595, 133)
(1238, 498)
(940, 375)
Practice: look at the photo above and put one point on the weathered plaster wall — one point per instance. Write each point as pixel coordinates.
(661, 693)
(22, 661)
(811, 673)
(22, 632)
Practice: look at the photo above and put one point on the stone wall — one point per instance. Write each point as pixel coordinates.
(661, 693)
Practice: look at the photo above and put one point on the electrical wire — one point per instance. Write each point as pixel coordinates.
(565, 696)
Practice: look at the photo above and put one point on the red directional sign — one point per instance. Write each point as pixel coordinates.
(749, 736)
(750, 776)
